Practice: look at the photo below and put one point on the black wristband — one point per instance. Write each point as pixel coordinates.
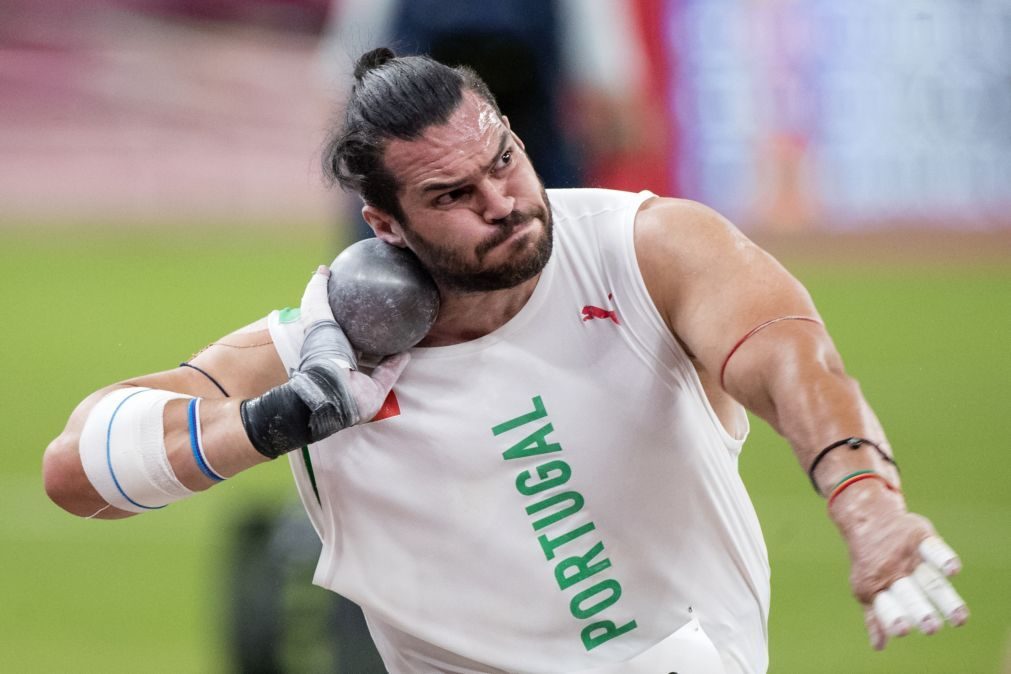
(208, 375)
(852, 443)
(276, 422)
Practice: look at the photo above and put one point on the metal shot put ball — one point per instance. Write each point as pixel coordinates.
(382, 297)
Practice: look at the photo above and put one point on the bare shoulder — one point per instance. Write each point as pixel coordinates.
(707, 279)
(679, 244)
(686, 230)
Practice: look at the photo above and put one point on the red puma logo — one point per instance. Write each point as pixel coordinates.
(590, 312)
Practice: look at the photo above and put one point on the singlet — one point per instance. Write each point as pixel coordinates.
(556, 496)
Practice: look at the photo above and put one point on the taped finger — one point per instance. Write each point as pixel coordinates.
(890, 614)
(315, 306)
(916, 605)
(942, 594)
(940, 554)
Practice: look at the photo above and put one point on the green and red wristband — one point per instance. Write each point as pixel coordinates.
(853, 478)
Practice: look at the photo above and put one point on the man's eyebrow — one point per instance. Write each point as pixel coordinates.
(439, 187)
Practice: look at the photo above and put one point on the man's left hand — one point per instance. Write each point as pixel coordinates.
(900, 566)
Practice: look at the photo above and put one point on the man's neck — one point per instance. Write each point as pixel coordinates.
(464, 317)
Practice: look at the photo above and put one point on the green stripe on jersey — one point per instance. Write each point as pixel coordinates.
(312, 475)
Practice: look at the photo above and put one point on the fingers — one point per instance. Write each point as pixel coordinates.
(874, 630)
(315, 305)
(936, 552)
(942, 594)
(388, 371)
(890, 614)
(910, 601)
(370, 391)
(916, 606)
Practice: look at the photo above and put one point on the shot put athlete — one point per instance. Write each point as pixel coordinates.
(552, 484)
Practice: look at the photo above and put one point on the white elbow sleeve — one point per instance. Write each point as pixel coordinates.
(123, 452)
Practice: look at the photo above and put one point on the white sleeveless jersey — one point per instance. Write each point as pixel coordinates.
(556, 496)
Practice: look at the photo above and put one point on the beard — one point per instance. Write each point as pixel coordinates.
(452, 269)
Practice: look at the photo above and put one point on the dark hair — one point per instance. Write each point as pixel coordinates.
(392, 97)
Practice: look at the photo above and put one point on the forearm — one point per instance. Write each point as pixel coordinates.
(144, 444)
(794, 379)
(224, 442)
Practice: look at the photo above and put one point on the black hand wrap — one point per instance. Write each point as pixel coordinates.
(314, 404)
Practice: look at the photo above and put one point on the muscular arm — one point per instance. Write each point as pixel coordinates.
(713, 286)
(246, 365)
(324, 395)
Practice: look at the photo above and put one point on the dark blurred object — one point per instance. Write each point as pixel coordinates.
(514, 46)
(278, 621)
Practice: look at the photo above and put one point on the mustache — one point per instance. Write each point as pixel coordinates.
(506, 226)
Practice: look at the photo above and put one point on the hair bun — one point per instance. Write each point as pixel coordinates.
(371, 60)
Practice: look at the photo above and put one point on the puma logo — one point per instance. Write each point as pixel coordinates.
(590, 312)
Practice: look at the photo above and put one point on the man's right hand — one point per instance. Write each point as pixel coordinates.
(326, 393)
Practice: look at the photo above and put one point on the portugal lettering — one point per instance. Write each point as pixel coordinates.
(577, 555)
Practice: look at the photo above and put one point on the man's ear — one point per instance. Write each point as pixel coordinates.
(384, 225)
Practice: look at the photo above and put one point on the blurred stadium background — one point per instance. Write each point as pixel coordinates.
(159, 187)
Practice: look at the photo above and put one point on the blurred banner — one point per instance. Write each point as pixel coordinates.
(817, 113)
(786, 115)
(161, 110)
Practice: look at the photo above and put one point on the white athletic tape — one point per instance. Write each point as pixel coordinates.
(941, 593)
(315, 304)
(122, 450)
(890, 614)
(916, 605)
(938, 553)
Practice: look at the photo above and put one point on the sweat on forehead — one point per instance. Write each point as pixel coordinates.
(473, 133)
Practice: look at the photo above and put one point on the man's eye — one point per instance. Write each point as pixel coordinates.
(450, 197)
(505, 159)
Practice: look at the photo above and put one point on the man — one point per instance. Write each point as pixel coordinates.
(557, 490)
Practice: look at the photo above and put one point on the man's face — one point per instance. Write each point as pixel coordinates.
(476, 214)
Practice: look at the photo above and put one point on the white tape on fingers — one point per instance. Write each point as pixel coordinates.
(941, 593)
(891, 615)
(916, 605)
(938, 553)
(315, 306)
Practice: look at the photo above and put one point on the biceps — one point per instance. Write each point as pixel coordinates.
(752, 291)
(244, 363)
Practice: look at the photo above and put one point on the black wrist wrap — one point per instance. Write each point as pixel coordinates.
(314, 404)
(276, 422)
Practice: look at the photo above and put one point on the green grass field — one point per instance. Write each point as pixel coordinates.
(929, 345)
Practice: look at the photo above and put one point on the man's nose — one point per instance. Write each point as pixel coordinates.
(497, 204)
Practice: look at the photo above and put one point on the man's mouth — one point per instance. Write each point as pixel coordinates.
(506, 233)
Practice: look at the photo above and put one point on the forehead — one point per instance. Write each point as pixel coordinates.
(449, 151)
